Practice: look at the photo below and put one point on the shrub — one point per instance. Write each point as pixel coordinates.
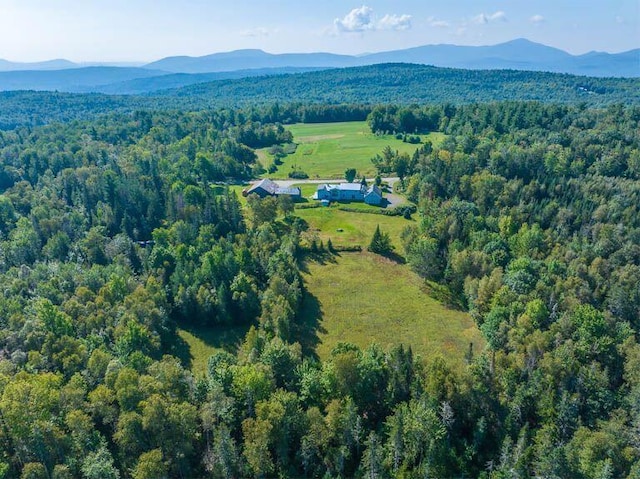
(298, 174)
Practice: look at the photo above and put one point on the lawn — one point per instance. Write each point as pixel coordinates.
(326, 150)
(346, 228)
(307, 189)
(363, 298)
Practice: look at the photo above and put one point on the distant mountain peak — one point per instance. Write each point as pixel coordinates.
(522, 40)
(55, 64)
(516, 54)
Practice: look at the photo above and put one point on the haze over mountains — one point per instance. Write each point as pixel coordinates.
(174, 72)
(517, 54)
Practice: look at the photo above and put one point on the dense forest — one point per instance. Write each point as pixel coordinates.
(386, 83)
(115, 231)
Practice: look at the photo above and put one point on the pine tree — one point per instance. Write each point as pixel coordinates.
(380, 242)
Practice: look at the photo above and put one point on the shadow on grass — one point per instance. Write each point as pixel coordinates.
(320, 256)
(363, 206)
(323, 256)
(309, 325)
(227, 338)
(395, 257)
(180, 349)
(391, 256)
(444, 295)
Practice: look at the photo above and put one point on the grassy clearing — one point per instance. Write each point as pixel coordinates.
(363, 298)
(307, 189)
(325, 150)
(202, 342)
(346, 228)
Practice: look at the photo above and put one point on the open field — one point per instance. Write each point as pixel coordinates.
(325, 150)
(347, 228)
(363, 298)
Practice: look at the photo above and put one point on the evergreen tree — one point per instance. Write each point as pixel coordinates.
(350, 174)
(380, 243)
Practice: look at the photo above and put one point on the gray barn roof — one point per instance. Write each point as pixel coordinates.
(293, 191)
(342, 187)
(266, 185)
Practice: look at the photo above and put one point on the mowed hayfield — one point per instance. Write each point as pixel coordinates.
(326, 150)
(363, 298)
(346, 228)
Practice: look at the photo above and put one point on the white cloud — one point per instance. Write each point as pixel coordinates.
(434, 22)
(362, 19)
(484, 18)
(357, 20)
(394, 22)
(498, 16)
(620, 20)
(256, 32)
(537, 19)
(480, 19)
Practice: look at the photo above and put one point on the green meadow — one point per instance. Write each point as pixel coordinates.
(325, 150)
(364, 298)
(346, 228)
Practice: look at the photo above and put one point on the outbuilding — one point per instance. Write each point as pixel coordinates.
(267, 187)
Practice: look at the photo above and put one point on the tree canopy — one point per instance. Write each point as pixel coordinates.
(114, 232)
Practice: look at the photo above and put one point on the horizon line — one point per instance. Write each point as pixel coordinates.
(355, 55)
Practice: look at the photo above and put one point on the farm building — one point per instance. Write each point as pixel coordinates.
(373, 196)
(267, 187)
(350, 192)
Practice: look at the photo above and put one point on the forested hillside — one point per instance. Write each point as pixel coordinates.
(115, 231)
(387, 83)
(408, 83)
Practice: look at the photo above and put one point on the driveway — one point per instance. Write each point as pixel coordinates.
(394, 200)
(288, 183)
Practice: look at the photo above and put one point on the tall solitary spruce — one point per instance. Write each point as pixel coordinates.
(380, 242)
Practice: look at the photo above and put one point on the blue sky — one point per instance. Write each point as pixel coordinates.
(144, 30)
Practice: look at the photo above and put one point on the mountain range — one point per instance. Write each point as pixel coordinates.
(175, 72)
(517, 54)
